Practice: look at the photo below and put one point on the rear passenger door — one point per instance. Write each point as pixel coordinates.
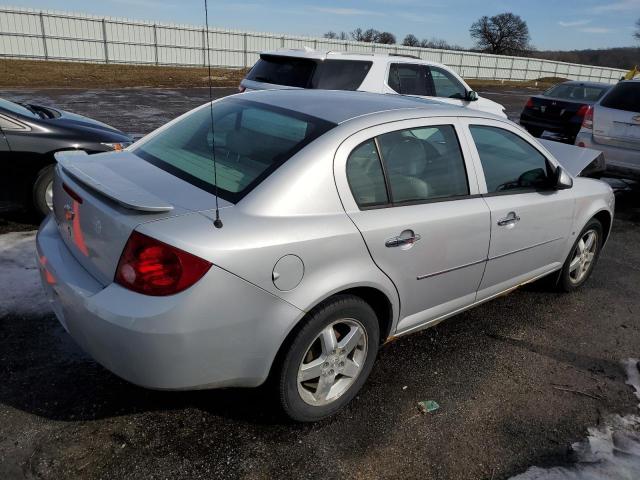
(530, 220)
(414, 197)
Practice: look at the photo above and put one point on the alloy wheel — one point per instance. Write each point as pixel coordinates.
(332, 362)
(583, 256)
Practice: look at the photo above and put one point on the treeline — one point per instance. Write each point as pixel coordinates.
(623, 57)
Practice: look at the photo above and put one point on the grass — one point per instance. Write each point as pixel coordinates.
(50, 74)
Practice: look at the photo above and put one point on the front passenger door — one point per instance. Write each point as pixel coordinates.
(530, 220)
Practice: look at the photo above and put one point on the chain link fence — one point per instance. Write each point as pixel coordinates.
(50, 35)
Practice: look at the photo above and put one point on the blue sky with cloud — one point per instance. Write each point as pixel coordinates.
(565, 25)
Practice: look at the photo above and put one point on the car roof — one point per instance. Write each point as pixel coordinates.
(340, 55)
(586, 84)
(338, 106)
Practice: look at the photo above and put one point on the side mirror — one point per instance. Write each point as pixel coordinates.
(471, 96)
(563, 179)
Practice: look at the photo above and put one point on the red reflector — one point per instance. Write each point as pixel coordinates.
(529, 103)
(71, 193)
(587, 121)
(581, 144)
(152, 267)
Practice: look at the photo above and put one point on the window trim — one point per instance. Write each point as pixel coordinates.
(390, 203)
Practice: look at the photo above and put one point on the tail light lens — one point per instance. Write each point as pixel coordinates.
(151, 267)
(587, 121)
(582, 111)
(529, 103)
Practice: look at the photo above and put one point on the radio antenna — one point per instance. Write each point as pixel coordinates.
(217, 222)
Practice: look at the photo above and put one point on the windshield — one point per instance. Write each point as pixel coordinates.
(308, 73)
(251, 140)
(17, 109)
(568, 91)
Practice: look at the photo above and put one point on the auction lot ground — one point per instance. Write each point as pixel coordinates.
(492, 370)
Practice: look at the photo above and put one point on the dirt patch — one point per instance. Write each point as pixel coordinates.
(35, 73)
(540, 83)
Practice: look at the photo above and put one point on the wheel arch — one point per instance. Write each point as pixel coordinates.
(606, 219)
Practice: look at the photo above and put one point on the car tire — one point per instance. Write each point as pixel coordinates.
(335, 371)
(535, 131)
(42, 191)
(582, 257)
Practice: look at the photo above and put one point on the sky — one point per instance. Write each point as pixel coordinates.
(553, 24)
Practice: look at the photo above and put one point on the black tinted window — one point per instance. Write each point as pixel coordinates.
(340, 74)
(446, 85)
(289, 71)
(251, 141)
(365, 177)
(409, 79)
(424, 164)
(624, 96)
(571, 91)
(509, 162)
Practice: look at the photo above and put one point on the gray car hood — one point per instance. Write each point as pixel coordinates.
(578, 161)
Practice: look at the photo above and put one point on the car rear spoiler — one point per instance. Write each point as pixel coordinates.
(99, 178)
(578, 161)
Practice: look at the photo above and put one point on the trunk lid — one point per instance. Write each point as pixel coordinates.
(553, 109)
(100, 199)
(578, 161)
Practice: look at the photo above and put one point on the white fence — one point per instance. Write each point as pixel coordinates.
(49, 35)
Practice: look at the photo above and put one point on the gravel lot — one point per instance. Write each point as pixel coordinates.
(492, 370)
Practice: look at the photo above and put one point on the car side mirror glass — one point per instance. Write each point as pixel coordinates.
(563, 179)
(471, 96)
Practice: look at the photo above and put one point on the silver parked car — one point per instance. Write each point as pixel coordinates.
(612, 125)
(348, 218)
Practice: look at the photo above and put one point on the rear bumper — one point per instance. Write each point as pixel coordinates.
(223, 331)
(623, 162)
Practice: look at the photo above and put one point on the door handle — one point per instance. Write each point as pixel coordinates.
(510, 219)
(402, 240)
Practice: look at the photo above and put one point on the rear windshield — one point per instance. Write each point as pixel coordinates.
(624, 96)
(589, 93)
(251, 140)
(309, 73)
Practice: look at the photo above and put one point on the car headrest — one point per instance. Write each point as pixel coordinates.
(406, 157)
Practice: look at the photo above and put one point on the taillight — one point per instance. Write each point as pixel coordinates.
(529, 103)
(587, 121)
(152, 267)
(582, 111)
(241, 89)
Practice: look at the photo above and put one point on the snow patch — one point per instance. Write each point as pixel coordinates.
(611, 451)
(21, 292)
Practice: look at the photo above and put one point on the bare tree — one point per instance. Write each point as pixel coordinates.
(336, 36)
(371, 35)
(411, 41)
(386, 38)
(502, 34)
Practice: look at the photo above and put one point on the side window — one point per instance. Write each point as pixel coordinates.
(446, 85)
(340, 74)
(424, 164)
(409, 79)
(509, 162)
(365, 177)
(6, 124)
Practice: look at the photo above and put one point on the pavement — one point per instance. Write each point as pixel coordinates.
(518, 380)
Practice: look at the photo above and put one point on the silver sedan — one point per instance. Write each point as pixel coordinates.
(288, 234)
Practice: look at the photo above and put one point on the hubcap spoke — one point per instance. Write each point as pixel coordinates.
(324, 388)
(581, 245)
(311, 370)
(588, 243)
(350, 340)
(328, 340)
(351, 368)
(575, 263)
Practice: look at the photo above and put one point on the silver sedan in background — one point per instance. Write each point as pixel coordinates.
(347, 219)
